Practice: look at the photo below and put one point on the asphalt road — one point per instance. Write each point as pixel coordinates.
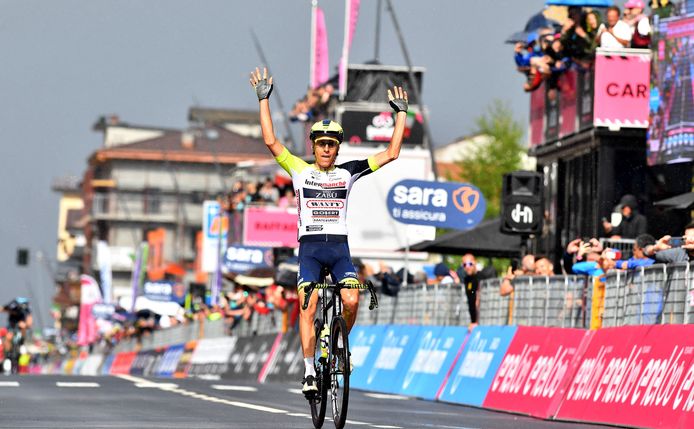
(44, 401)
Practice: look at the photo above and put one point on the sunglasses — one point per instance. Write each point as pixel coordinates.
(329, 143)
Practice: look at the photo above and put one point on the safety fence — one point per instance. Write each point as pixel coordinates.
(658, 294)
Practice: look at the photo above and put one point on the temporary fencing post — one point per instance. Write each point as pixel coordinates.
(687, 291)
(546, 302)
(643, 297)
(436, 301)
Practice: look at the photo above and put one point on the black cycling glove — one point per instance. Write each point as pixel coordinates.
(399, 104)
(263, 89)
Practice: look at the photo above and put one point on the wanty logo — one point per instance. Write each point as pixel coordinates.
(466, 199)
(323, 204)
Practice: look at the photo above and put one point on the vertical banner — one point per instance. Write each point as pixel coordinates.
(319, 49)
(351, 17)
(103, 258)
(89, 295)
(212, 224)
(139, 271)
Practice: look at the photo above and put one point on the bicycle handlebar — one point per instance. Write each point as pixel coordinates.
(308, 290)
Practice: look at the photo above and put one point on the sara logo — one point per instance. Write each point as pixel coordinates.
(440, 204)
(466, 199)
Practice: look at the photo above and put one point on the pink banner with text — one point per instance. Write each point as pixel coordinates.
(270, 226)
(635, 375)
(622, 85)
(537, 368)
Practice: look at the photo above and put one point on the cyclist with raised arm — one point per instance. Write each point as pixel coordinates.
(19, 320)
(322, 191)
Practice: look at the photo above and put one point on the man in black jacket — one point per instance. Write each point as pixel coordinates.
(633, 223)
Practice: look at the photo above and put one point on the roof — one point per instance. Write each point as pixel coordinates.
(211, 144)
(216, 116)
(484, 240)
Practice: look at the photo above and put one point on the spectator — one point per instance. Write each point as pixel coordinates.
(575, 36)
(288, 199)
(638, 23)
(633, 223)
(615, 33)
(390, 284)
(526, 268)
(664, 251)
(471, 284)
(443, 274)
(543, 266)
(552, 62)
(639, 259)
(268, 193)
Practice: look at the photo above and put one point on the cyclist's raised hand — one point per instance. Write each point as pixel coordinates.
(398, 99)
(261, 83)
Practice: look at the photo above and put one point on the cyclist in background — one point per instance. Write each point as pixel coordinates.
(18, 319)
(322, 191)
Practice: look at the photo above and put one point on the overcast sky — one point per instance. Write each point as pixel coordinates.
(65, 63)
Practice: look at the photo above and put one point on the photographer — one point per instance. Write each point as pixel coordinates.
(673, 249)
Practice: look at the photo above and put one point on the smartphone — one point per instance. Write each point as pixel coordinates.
(676, 241)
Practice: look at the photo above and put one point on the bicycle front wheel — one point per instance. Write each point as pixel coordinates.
(319, 402)
(339, 371)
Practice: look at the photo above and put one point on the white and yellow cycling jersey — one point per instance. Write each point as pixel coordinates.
(322, 195)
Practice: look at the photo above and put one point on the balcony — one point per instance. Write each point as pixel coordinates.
(150, 208)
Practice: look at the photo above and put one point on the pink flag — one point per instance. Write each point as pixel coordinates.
(320, 64)
(90, 294)
(351, 17)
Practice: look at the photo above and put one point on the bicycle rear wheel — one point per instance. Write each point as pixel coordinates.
(339, 371)
(320, 402)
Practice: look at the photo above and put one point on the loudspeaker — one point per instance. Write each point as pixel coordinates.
(522, 208)
(22, 257)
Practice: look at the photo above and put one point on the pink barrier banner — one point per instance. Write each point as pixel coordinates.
(567, 105)
(537, 367)
(270, 226)
(635, 375)
(622, 89)
(537, 117)
(122, 363)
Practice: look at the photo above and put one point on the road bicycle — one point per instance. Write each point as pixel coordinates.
(332, 357)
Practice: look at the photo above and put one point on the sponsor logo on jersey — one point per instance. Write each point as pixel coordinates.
(325, 204)
(314, 228)
(325, 194)
(326, 185)
(326, 213)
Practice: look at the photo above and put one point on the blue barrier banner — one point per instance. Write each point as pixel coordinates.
(106, 366)
(364, 344)
(436, 349)
(393, 359)
(477, 365)
(167, 365)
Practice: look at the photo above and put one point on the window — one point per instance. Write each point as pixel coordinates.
(152, 200)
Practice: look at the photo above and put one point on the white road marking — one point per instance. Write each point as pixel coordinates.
(9, 383)
(297, 391)
(308, 416)
(75, 384)
(209, 377)
(152, 385)
(356, 423)
(167, 387)
(386, 396)
(234, 388)
(386, 427)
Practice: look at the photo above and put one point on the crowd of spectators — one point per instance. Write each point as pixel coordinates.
(547, 52)
(313, 105)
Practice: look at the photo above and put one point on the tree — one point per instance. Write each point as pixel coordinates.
(486, 167)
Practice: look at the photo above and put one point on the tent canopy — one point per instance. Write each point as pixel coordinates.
(485, 240)
(682, 201)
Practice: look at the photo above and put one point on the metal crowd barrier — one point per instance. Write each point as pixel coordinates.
(658, 294)
(624, 245)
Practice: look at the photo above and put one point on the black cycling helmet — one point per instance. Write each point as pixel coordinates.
(326, 128)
